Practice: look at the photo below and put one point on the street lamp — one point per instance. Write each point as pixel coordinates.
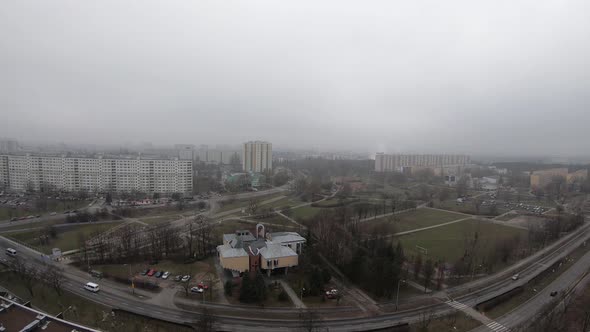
(397, 295)
(302, 290)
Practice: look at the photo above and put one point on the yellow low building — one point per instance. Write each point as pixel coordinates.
(242, 251)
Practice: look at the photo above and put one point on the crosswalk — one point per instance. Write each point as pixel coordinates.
(457, 305)
(492, 325)
(495, 326)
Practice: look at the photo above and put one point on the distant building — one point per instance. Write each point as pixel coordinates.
(257, 156)
(242, 251)
(34, 172)
(8, 145)
(408, 162)
(577, 176)
(18, 317)
(540, 179)
(185, 151)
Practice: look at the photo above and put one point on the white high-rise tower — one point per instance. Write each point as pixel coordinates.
(257, 156)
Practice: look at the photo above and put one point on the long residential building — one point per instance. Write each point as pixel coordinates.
(397, 162)
(257, 156)
(34, 172)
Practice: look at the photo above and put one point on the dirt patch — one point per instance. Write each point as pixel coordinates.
(525, 221)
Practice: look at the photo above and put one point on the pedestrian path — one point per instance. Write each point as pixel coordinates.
(294, 298)
(491, 324)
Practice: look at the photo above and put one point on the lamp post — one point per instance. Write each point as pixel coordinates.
(397, 294)
(301, 296)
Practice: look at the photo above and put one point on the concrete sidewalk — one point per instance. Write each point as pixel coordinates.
(296, 300)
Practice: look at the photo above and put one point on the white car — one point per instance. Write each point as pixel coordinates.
(197, 290)
(186, 278)
(515, 277)
(165, 275)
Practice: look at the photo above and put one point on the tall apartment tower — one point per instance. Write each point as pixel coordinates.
(257, 156)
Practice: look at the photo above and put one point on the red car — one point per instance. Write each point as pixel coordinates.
(151, 272)
(202, 285)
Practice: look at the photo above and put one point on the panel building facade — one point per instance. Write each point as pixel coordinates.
(397, 162)
(30, 172)
(257, 156)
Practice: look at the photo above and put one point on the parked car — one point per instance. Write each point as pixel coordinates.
(203, 286)
(178, 278)
(553, 293)
(186, 278)
(332, 293)
(67, 212)
(144, 272)
(151, 272)
(515, 277)
(38, 216)
(158, 274)
(165, 275)
(13, 219)
(52, 213)
(196, 290)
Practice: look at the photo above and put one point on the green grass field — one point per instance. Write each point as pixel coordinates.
(409, 220)
(305, 212)
(448, 242)
(66, 239)
(243, 203)
(6, 213)
(275, 219)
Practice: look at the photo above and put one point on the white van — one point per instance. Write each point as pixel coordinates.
(10, 252)
(90, 286)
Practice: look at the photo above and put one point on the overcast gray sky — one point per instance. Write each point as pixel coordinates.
(450, 76)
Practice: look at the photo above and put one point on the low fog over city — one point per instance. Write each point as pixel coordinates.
(461, 77)
(247, 166)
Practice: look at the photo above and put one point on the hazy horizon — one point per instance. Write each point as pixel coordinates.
(425, 77)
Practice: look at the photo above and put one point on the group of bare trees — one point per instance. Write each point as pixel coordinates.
(132, 242)
(51, 275)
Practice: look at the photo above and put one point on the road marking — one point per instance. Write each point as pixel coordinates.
(495, 326)
(456, 305)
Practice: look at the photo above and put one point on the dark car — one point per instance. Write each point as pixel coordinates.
(553, 293)
(158, 274)
(144, 272)
(13, 219)
(178, 278)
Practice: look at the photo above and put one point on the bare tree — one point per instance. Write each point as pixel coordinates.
(253, 206)
(54, 277)
(308, 319)
(425, 319)
(428, 272)
(417, 266)
(206, 321)
(28, 274)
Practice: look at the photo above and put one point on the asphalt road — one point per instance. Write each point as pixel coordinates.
(241, 318)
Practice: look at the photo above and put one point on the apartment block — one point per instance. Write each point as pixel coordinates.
(398, 162)
(257, 156)
(22, 172)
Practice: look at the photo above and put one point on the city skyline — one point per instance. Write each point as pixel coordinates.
(369, 83)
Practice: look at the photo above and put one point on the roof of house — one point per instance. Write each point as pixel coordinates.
(226, 251)
(286, 237)
(275, 250)
(238, 241)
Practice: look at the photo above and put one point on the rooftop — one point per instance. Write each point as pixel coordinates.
(17, 317)
(275, 250)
